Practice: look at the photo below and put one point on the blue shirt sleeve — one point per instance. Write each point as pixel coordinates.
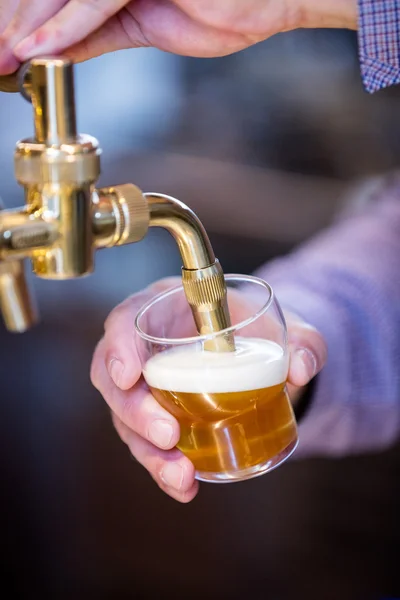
(379, 43)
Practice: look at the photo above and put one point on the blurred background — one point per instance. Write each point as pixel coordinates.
(268, 147)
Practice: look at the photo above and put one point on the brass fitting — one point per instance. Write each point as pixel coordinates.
(65, 219)
(120, 216)
(58, 169)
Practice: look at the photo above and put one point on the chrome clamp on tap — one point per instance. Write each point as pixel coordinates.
(66, 219)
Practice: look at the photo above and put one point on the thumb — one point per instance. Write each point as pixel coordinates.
(308, 350)
(119, 351)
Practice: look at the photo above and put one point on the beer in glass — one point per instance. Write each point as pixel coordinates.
(236, 420)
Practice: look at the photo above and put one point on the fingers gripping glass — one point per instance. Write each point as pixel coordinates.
(236, 420)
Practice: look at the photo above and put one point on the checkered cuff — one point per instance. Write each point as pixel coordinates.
(379, 43)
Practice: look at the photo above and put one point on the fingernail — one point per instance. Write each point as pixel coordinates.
(116, 369)
(160, 433)
(172, 475)
(309, 361)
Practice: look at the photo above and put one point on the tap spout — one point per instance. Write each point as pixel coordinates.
(202, 276)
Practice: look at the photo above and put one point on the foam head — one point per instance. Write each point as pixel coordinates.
(255, 364)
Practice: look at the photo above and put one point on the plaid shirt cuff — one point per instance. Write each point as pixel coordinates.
(379, 43)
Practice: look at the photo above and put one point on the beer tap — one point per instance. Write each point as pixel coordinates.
(65, 219)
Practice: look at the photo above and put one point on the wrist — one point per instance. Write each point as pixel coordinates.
(330, 14)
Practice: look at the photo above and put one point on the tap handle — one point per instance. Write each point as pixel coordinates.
(18, 82)
(9, 83)
(16, 305)
(53, 100)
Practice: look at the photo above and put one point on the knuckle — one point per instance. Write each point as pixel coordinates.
(103, 7)
(206, 12)
(128, 308)
(124, 312)
(132, 410)
(139, 448)
(235, 18)
(114, 317)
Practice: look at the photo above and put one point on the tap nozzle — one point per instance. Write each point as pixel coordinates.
(202, 276)
(206, 293)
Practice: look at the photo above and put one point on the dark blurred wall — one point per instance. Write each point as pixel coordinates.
(266, 146)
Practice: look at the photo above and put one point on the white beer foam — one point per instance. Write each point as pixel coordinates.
(255, 364)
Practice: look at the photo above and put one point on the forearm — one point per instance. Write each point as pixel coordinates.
(346, 283)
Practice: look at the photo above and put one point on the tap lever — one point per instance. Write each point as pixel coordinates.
(18, 82)
(53, 99)
(38, 235)
(21, 234)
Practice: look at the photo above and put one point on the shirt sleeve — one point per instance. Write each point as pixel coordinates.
(379, 43)
(346, 283)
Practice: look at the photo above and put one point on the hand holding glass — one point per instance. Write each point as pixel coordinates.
(236, 420)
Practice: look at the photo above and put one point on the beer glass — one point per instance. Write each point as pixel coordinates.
(236, 420)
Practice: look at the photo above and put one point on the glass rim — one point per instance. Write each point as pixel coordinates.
(209, 336)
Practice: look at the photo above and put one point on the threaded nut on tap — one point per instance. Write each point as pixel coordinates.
(206, 293)
(134, 213)
(130, 212)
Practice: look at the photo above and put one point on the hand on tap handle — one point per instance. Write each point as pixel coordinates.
(84, 29)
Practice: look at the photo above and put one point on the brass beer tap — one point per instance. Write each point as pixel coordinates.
(65, 219)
